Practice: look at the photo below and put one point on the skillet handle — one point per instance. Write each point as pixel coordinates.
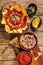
(0, 14)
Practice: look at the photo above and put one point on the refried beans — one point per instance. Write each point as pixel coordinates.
(27, 41)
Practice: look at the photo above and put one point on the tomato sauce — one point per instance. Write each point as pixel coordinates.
(24, 58)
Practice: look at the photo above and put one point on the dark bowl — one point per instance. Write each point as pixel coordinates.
(30, 14)
(33, 28)
(26, 53)
(31, 33)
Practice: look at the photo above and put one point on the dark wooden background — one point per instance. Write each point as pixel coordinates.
(7, 52)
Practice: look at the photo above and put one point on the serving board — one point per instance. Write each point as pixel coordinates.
(39, 61)
(7, 54)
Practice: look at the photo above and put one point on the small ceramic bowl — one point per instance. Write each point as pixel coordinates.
(24, 44)
(31, 9)
(24, 58)
(37, 23)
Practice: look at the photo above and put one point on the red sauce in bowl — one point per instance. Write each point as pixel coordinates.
(24, 58)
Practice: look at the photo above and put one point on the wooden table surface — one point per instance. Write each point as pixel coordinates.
(7, 52)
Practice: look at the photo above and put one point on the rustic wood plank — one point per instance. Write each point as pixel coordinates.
(40, 38)
(4, 37)
(7, 38)
(15, 63)
(7, 53)
(25, 3)
(41, 49)
(8, 63)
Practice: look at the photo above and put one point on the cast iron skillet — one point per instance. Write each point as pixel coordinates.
(7, 6)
